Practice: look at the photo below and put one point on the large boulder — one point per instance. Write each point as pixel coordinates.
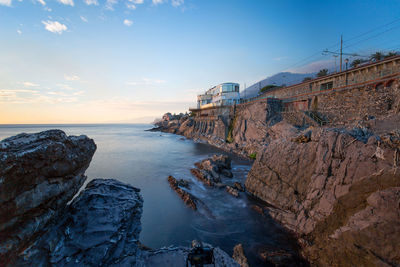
(39, 174)
(100, 227)
(339, 191)
(210, 170)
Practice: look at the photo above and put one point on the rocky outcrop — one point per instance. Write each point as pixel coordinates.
(210, 170)
(232, 191)
(100, 227)
(239, 256)
(176, 257)
(338, 190)
(39, 174)
(177, 186)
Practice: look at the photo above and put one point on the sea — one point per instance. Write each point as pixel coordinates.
(129, 153)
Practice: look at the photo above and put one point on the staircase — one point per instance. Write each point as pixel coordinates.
(316, 117)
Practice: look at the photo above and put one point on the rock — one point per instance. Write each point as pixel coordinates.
(232, 191)
(101, 227)
(323, 190)
(238, 186)
(188, 198)
(239, 256)
(303, 138)
(258, 209)
(39, 174)
(281, 258)
(210, 170)
(176, 257)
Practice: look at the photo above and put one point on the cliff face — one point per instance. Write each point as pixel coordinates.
(39, 174)
(340, 191)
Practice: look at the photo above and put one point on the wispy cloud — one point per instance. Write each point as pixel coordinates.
(54, 26)
(128, 22)
(65, 86)
(177, 3)
(27, 96)
(71, 77)
(137, 2)
(5, 2)
(84, 19)
(67, 2)
(19, 32)
(147, 81)
(42, 2)
(29, 84)
(130, 6)
(110, 4)
(157, 2)
(91, 2)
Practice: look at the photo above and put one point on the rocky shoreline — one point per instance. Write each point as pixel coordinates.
(43, 225)
(337, 189)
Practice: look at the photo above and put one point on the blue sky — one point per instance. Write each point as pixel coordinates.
(77, 61)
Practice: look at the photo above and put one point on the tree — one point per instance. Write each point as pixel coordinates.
(377, 56)
(322, 73)
(391, 54)
(357, 62)
(306, 79)
(267, 87)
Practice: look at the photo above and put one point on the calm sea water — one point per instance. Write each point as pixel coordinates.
(145, 159)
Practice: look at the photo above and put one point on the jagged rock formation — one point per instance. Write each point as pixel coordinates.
(39, 174)
(239, 256)
(100, 227)
(177, 186)
(210, 170)
(339, 190)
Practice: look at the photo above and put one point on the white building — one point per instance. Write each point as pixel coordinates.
(224, 94)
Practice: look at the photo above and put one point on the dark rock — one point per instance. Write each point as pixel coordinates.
(188, 198)
(232, 191)
(100, 228)
(210, 170)
(239, 256)
(238, 186)
(39, 174)
(281, 258)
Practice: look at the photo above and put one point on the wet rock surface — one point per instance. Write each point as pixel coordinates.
(177, 186)
(100, 227)
(239, 256)
(210, 170)
(39, 174)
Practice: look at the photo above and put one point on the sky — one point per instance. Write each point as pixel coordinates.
(128, 61)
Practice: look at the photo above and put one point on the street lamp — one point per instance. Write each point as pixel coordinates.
(347, 61)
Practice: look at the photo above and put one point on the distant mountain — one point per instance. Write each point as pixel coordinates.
(287, 78)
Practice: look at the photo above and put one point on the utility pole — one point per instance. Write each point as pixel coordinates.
(341, 50)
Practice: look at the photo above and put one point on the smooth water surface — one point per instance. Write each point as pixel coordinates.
(145, 159)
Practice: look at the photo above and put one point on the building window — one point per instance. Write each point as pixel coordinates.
(326, 86)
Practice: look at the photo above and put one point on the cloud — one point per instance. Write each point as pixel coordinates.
(279, 58)
(91, 2)
(130, 6)
(67, 2)
(65, 86)
(110, 4)
(147, 81)
(313, 67)
(137, 2)
(71, 77)
(29, 84)
(5, 2)
(19, 32)
(156, 2)
(54, 26)
(84, 19)
(42, 2)
(177, 3)
(128, 22)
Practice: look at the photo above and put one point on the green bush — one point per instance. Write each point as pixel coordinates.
(268, 87)
(253, 155)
